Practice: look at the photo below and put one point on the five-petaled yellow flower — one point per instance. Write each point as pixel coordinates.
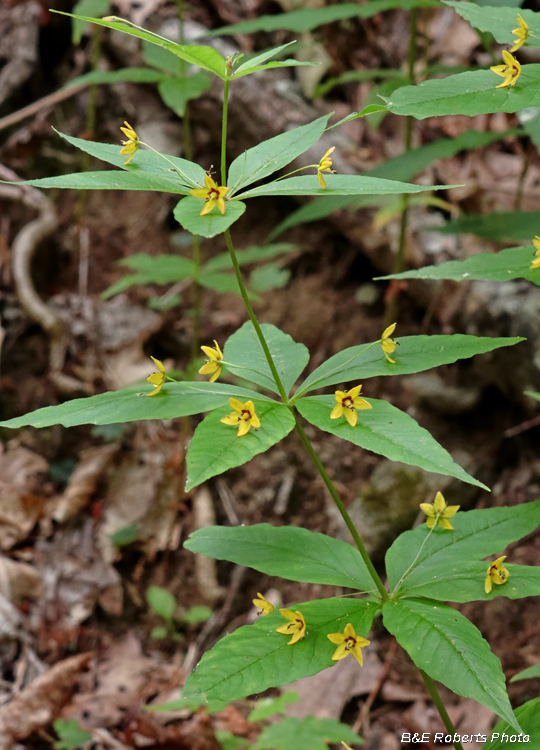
(496, 573)
(347, 404)
(213, 195)
(263, 604)
(522, 32)
(157, 378)
(536, 261)
(325, 165)
(510, 71)
(213, 365)
(348, 643)
(388, 344)
(439, 513)
(243, 415)
(131, 146)
(295, 627)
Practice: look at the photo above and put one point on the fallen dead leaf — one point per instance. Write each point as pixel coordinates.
(21, 508)
(18, 581)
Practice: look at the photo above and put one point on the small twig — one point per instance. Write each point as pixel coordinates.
(227, 499)
(357, 726)
(523, 427)
(35, 107)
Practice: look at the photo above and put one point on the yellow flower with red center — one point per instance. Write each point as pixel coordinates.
(388, 344)
(522, 32)
(325, 165)
(213, 195)
(510, 71)
(439, 513)
(536, 261)
(157, 379)
(296, 625)
(263, 604)
(213, 365)
(131, 146)
(496, 573)
(348, 643)
(243, 415)
(347, 402)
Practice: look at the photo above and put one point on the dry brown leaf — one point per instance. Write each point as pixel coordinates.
(18, 581)
(41, 702)
(21, 507)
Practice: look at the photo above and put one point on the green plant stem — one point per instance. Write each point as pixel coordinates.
(439, 705)
(224, 131)
(342, 509)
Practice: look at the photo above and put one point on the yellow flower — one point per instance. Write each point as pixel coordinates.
(243, 415)
(213, 195)
(347, 402)
(511, 71)
(131, 146)
(325, 165)
(213, 365)
(263, 604)
(496, 573)
(348, 643)
(522, 32)
(389, 345)
(439, 513)
(295, 627)
(157, 378)
(536, 261)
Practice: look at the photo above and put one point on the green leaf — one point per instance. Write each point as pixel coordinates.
(442, 642)
(511, 225)
(215, 447)
(532, 394)
(464, 582)
(413, 354)
(86, 8)
(498, 21)
(267, 707)
(477, 534)
(177, 92)
(339, 184)
(470, 94)
(125, 536)
(192, 703)
(159, 269)
(256, 657)
(130, 404)
(158, 57)
(259, 62)
(527, 674)
(528, 717)
(354, 76)
(188, 210)
(287, 551)
(131, 75)
(205, 57)
(268, 277)
(198, 614)
(161, 601)
(505, 265)
(244, 356)
(249, 255)
(110, 180)
(309, 733)
(159, 633)
(386, 430)
(220, 282)
(230, 741)
(269, 156)
(307, 19)
(529, 118)
(70, 735)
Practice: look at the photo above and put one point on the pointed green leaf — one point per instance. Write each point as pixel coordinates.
(177, 92)
(87, 8)
(413, 354)
(339, 184)
(528, 717)
(269, 156)
(386, 430)
(187, 213)
(499, 21)
(507, 225)
(131, 404)
(371, 109)
(220, 282)
(216, 447)
(159, 57)
(205, 57)
(477, 534)
(505, 265)
(309, 733)
(268, 277)
(249, 255)
(256, 657)
(110, 180)
(162, 601)
(160, 269)
(527, 674)
(267, 707)
(442, 642)
(245, 357)
(470, 94)
(259, 62)
(132, 75)
(287, 551)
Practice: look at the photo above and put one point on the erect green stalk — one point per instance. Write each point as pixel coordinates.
(224, 129)
(439, 705)
(342, 509)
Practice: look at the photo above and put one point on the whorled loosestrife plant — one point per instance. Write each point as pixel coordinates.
(441, 561)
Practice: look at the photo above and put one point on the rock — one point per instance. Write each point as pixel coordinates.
(428, 390)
